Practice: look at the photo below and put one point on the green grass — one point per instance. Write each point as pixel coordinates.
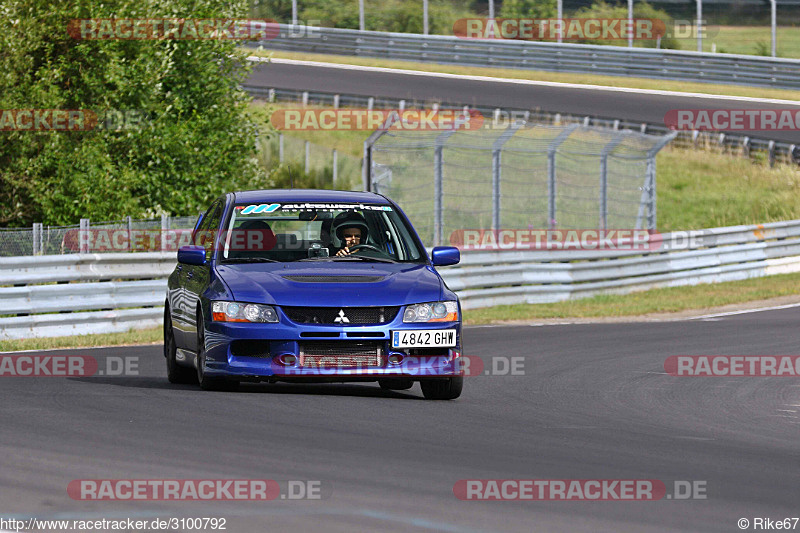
(748, 40)
(668, 300)
(133, 337)
(588, 79)
(703, 189)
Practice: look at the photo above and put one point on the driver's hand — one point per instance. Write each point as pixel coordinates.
(343, 251)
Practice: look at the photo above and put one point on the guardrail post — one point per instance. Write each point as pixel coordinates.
(772, 153)
(370, 103)
(402, 105)
(305, 98)
(336, 101)
(307, 147)
(83, 246)
(271, 95)
(280, 148)
(38, 234)
(746, 147)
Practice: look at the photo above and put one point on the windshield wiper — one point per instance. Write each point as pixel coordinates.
(249, 260)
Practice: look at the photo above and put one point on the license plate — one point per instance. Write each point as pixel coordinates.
(424, 338)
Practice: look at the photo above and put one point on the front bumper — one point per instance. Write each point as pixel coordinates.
(258, 352)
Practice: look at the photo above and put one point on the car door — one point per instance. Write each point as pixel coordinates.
(177, 294)
(198, 276)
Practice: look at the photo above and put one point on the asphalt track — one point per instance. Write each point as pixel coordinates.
(637, 107)
(594, 403)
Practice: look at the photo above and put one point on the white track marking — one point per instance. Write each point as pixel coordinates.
(523, 82)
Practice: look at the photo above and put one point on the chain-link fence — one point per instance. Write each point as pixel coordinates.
(518, 177)
(114, 236)
(337, 169)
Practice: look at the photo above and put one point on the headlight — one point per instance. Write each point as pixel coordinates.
(432, 312)
(237, 312)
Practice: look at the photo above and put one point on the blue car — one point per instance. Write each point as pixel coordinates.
(312, 286)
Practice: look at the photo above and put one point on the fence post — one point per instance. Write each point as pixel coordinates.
(551, 172)
(607, 149)
(129, 225)
(164, 230)
(308, 156)
(438, 186)
(280, 148)
(38, 233)
(83, 240)
(497, 169)
(335, 167)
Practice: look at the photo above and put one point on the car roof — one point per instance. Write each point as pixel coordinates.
(309, 195)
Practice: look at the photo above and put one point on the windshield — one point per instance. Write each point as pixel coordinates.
(288, 232)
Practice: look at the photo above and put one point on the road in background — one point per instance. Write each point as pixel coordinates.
(611, 103)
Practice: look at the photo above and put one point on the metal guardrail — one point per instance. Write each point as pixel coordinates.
(580, 58)
(481, 279)
(754, 148)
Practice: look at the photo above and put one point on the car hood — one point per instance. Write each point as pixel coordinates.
(332, 284)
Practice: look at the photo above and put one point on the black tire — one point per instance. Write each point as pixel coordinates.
(396, 383)
(207, 382)
(175, 372)
(442, 389)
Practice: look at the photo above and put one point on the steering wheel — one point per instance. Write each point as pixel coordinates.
(369, 247)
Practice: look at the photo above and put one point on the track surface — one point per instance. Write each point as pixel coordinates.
(609, 104)
(594, 403)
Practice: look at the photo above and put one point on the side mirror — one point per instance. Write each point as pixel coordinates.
(192, 255)
(445, 255)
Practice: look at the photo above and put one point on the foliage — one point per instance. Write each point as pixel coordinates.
(197, 140)
(641, 10)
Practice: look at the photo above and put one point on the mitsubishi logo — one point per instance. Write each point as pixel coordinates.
(341, 319)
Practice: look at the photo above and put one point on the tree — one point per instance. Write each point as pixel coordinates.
(196, 139)
(535, 9)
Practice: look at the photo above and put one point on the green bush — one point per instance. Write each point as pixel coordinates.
(197, 143)
(642, 10)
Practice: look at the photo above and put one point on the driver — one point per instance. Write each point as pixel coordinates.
(351, 229)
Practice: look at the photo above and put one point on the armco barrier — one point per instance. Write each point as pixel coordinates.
(567, 57)
(103, 293)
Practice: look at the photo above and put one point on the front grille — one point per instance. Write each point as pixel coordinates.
(342, 316)
(317, 354)
(334, 279)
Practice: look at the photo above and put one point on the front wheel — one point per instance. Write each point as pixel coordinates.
(175, 372)
(442, 389)
(207, 382)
